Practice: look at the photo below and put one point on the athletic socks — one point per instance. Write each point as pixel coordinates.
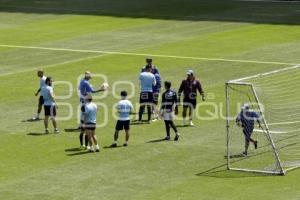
(81, 139)
(86, 140)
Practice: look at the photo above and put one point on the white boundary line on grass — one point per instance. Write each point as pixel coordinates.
(264, 74)
(52, 65)
(143, 54)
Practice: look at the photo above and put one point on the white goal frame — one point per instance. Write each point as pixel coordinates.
(268, 134)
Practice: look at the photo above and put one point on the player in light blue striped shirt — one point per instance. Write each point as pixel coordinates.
(124, 108)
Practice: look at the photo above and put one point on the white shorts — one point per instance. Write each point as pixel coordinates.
(168, 116)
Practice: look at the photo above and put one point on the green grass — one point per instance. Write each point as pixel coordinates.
(43, 167)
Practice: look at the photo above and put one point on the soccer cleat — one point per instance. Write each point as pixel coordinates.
(255, 144)
(154, 120)
(167, 138)
(56, 131)
(125, 145)
(97, 150)
(191, 123)
(35, 118)
(114, 145)
(176, 137)
(244, 154)
(82, 147)
(46, 131)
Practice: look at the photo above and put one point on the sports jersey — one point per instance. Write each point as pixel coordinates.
(189, 88)
(147, 81)
(124, 108)
(247, 119)
(169, 99)
(90, 112)
(46, 92)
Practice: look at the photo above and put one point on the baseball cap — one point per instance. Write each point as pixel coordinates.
(190, 72)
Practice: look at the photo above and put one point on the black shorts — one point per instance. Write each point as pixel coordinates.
(123, 125)
(155, 97)
(41, 100)
(247, 134)
(90, 126)
(50, 111)
(146, 98)
(187, 102)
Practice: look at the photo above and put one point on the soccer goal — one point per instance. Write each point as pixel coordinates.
(275, 97)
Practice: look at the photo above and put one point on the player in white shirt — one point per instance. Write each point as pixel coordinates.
(49, 105)
(124, 108)
(89, 111)
(40, 74)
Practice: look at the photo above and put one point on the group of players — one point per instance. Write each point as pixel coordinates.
(150, 82)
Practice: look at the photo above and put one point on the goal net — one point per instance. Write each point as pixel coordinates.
(275, 97)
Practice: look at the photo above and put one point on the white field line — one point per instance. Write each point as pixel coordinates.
(264, 74)
(143, 54)
(283, 123)
(52, 65)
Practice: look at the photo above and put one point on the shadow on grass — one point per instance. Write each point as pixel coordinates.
(158, 140)
(80, 153)
(38, 134)
(136, 122)
(266, 12)
(32, 120)
(70, 130)
(221, 171)
(110, 147)
(73, 149)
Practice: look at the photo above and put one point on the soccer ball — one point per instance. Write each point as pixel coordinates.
(105, 86)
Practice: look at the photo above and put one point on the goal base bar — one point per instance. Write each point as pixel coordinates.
(257, 171)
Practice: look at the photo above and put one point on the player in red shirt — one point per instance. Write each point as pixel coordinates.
(189, 88)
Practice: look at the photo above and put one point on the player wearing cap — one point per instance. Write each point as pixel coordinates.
(40, 74)
(124, 108)
(189, 88)
(85, 88)
(49, 105)
(147, 81)
(89, 111)
(246, 119)
(169, 102)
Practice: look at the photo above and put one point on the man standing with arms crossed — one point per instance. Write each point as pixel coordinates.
(189, 87)
(40, 74)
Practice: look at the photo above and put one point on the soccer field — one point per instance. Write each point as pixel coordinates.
(219, 40)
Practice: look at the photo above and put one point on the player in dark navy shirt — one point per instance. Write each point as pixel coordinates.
(168, 104)
(246, 119)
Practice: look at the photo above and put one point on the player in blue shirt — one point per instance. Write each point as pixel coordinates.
(169, 102)
(147, 81)
(246, 120)
(89, 111)
(156, 91)
(85, 88)
(124, 108)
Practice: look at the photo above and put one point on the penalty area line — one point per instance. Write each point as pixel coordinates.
(143, 54)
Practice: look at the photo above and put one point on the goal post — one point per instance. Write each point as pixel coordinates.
(274, 98)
